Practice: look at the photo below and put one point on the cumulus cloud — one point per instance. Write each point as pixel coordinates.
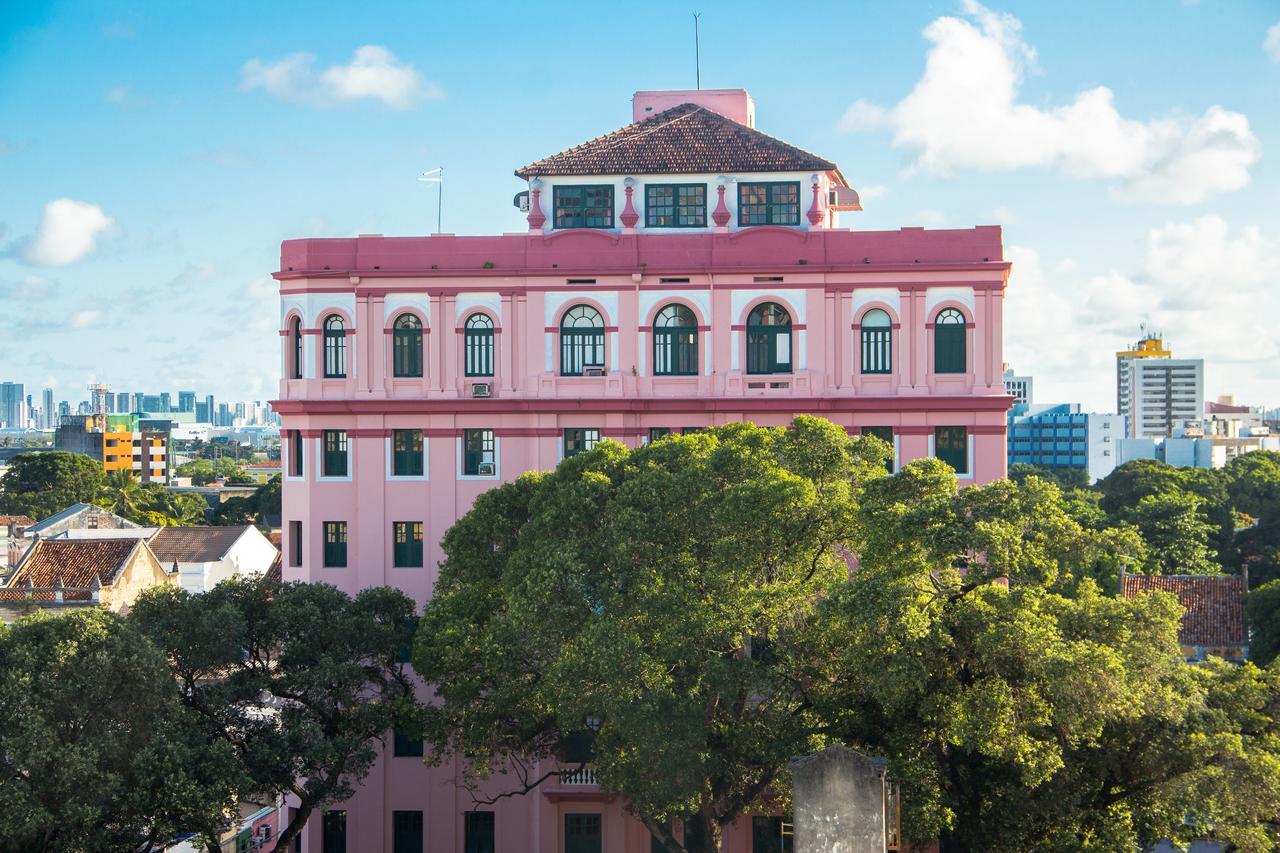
(1207, 286)
(374, 73)
(1272, 43)
(86, 318)
(68, 231)
(964, 113)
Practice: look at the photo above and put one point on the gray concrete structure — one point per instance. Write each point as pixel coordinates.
(838, 798)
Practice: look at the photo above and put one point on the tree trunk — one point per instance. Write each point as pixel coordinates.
(702, 835)
(290, 832)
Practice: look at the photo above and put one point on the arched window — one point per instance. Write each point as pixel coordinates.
(877, 347)
(406, 346)
(581, 341)
(949, 342)
(769, 339)
(675, 342)
(335, 348)
(478, 342)
(295, 345)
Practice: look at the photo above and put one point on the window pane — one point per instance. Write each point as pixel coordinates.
(335, 453)
(478, 832)
(335, 544)
(951, 445)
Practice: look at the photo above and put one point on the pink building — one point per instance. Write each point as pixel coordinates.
(684, 271)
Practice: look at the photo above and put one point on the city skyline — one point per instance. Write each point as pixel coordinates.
(1160, 214)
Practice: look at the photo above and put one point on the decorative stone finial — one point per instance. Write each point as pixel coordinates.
(720, 216)
(629, 216)
(536, 217)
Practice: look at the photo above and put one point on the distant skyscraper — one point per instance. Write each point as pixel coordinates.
(1163, 394)
(1150, 346)
(123, 405)
(186, 401)
(224, 415)
(98, 396)
(165, 403)
(137, 402)
(49, 413)
(1018, 387)
(64, 409)
(11, 405)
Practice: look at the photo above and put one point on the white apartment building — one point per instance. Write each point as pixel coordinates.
(1163, 394)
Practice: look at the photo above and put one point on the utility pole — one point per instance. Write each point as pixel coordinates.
(697, 52)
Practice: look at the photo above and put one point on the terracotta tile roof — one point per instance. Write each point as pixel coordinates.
(1214, 605)
(194, 544)
(687, 139)
(20, 520)
(275, 572)
(74, 562)
(10, 594)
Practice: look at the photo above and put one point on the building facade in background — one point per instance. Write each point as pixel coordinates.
(1018, 387)
(686, 271)
(1151, 345)
(1061, 436)
(119, 442)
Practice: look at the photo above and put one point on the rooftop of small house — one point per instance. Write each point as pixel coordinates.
(1214, 605)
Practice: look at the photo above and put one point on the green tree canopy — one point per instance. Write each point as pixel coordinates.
(1176, 532)
(40, 484)
(656, 597)
(328, 666)
(97, 752)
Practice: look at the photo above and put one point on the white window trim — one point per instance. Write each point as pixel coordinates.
(497, 461)
(407, 478)
(968, 447)
(561, 457)
(321, 477)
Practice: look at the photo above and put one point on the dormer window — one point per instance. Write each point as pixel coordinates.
(776, 203)
(675, 205)
(583, 206)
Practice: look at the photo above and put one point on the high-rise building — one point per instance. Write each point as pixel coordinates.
(138, 399)
(12, 405)
(64, 409)
(1017, 387)
(166, 404)
(224, 415)
(684, 271)
(1062, 436)
(186, 401)
(1164, 394)
(99, 394)
(50, 414)
(1151, 345)
(123, 403)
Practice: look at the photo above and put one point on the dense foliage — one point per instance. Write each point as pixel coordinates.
(150, 504)
(300, 679)
(39, 484)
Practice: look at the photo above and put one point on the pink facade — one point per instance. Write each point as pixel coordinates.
(527, 288)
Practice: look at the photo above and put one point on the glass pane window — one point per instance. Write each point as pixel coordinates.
(582, 833)
(581, 341)
(877, 344)
(406, 352)
(583, 206)
(478, 345)
(951, 445)
(295, 453)
(769, 203)
(295, 333)
(406, 745)
(477, 832)
(406, 831)
(406, 453)
(675, 205)
(335, 348)
(335, 453)
(578, 440)
(333, 832)
(407, 544)
(769, 339)
(656, 433)
(478, 457)
(675, 342)
(335, 544)
(949, 338)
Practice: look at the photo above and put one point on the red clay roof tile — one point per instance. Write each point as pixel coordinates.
(1214, 605)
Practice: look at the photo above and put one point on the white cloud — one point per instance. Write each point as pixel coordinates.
(964, 113)
(373, 73)
(872, 192)
(1272, 43)
(1208, 287)
(68, 232)
(85, 319)
(929, 218)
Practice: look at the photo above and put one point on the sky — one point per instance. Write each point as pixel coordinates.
(154, 155)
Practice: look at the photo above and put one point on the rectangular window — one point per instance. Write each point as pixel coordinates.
(478, 832)
(404, 654)
(675, 205)
(885, 434)
(951, 445)
(478, 457)
(407, 544)
(406, 832)
(877, 350)
(769, 203)
(583, 206)
(295, 453)
(582, 833)
(771, 835)
(406, 452)
(656, 433)
(333, 832)
(295, 543)
(335, 544)
(335, 453)
(406, 746)
(579, 441)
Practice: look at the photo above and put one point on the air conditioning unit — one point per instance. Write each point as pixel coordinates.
(593, 371)
(481, 389)
(485, 469)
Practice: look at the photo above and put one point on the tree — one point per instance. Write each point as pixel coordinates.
(40, 484)
(97, 752)
(1253, 482)
(121, 494)
(1176, 532)
(1065, 478)
(327, 664)
(236, 510)
(654, 600)
(268, 497)
(1262, 609)
(1019, 707)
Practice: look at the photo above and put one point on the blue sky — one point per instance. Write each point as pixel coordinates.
(152, 157)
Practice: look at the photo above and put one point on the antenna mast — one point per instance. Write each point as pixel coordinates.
(697, 53)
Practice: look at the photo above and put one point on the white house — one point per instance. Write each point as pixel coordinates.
(206, 556)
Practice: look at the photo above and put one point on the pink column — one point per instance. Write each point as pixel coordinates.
(504, 340)
(981, 339)
(440, 330)
(449, 343)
